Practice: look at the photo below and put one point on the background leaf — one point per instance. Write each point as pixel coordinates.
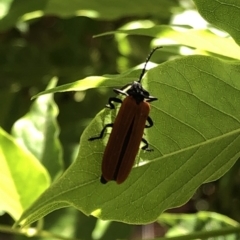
(199, 39)
(198, 99)
(95, 82)
(38, 132)
(200, 225)
(224, 14)
(17, 190)
(26, 9)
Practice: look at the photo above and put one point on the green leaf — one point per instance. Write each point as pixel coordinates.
(200, 39)
(95, 82)
(23, 178)
(225, 14)
(195, 140)
(5, 5)
(202, 225)
(27, 9)
(38, 132)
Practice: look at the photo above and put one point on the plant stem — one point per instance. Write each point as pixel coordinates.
(25, 231)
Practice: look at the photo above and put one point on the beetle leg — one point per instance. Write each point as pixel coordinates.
(151, 99)
(150, 122)
(111, 100)
(120, 91)
(101, 133)
(145, 147)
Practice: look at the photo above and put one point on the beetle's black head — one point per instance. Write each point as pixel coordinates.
(137, 92)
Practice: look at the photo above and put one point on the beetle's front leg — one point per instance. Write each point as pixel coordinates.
(101, 133)
(111, 100)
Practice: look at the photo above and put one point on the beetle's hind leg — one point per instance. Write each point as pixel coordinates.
(145, 147)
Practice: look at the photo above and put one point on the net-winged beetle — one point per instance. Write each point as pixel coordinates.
(127, 130)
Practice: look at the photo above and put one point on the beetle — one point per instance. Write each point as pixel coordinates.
(127, 130)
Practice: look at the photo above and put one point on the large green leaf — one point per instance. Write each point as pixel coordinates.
(38, 132)
(195, 138)
(23, 178)
(224, 14)
(106, 9)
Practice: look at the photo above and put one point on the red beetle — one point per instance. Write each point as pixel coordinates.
(127, 130)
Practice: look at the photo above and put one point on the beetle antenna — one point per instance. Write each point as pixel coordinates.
(147, 60)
